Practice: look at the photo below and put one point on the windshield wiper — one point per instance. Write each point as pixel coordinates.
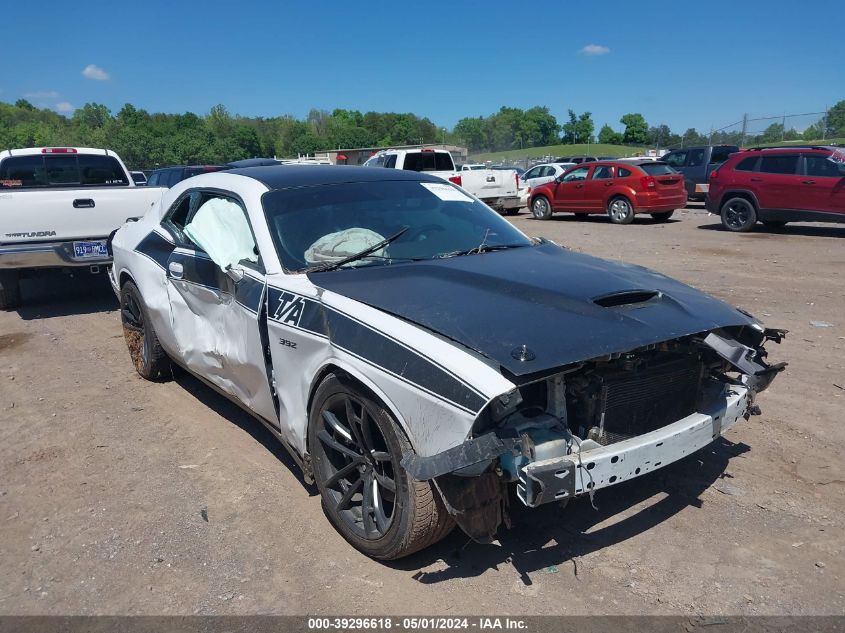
(361, 254)
(482, 248)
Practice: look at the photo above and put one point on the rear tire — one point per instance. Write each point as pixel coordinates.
(620, 210)
(150, 360)
(356, 448)
(10, 290)
(663, 216)
(738, 215)
(541, 208)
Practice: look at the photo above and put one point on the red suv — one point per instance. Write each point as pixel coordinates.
(777, 185)
(620, 189)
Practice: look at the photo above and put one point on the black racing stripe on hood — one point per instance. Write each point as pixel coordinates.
(542, 297)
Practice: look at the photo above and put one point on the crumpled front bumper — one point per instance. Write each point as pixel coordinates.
(582, 472)
(588, 470)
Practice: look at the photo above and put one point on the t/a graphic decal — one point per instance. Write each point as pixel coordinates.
(289, 308)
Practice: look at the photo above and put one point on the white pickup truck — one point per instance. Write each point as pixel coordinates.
(58, 206)
(498, 189)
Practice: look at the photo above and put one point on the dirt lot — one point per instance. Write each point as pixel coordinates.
(118, 496)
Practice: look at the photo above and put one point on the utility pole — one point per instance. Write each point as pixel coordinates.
(824, 121)
(744, 127)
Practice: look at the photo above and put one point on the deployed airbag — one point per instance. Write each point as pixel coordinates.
(336, 246)
(221, 229)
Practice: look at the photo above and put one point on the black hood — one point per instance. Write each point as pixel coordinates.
(562, 306)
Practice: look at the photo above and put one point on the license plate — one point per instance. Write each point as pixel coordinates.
(88, 250)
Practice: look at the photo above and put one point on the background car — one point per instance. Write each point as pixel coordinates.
(696, 163)
(139, 178)
(539, 174)
(776, 185)
(619, 189)
(519, 170)
(169, 176)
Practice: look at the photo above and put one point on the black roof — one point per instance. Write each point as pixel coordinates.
(288, 176)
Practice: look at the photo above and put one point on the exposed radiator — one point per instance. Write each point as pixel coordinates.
(633, 403)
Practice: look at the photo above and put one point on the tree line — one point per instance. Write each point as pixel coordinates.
(147, 140)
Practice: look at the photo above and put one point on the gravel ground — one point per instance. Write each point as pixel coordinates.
(119, 496)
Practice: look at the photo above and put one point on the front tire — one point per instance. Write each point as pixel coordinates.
(620, 210)
(663, 216)
(541, 208)
(10, 290)
(738, 215)
(150, 360)
(356, 447)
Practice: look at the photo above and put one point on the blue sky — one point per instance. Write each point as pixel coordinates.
(686, 64)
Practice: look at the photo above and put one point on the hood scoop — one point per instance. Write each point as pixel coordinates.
(626, 298)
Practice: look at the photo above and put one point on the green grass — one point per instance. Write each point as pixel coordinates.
(827, 141)
(597, 149)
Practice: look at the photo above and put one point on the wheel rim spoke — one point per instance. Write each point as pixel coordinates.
(332, 420)
(387, 483)
(351, 467)
(367, 506)
(333, 444)
(346, 500)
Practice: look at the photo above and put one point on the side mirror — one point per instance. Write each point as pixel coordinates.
(235, 274)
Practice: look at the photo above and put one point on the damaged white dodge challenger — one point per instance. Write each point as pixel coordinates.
(417, 354)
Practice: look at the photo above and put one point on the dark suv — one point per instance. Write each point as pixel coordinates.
(169, 176)
(777, 185)
(696, 163)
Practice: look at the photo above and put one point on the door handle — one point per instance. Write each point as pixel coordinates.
(608, 184)
(756, 179)
(176, 270)
(83, 203)
(809, 182)
(578, 186)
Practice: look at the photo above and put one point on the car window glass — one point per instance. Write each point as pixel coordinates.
(22, 171)
(696, 157)
(621, 172)
(177, 217)
(657, 169)
(61, 170)
(602, 172)
(173, 176)
(547, 171)
(100, 170)
(375, 161)
(676, 159)
(153, 179)
(576, 174)
(390, 162)
(747, 164)
(779, 164)
(532, 173)
(721, 154)
(819, 165)
(322, 224)
(220, 228)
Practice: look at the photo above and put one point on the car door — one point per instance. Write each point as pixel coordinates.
(216, 315)
(823, 185)
(777, 183)
(596, 188)
(569, 190)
